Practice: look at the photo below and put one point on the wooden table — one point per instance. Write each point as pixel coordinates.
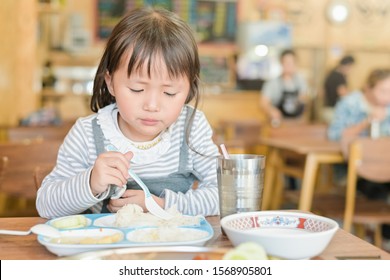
(316, 152)
(27, 247)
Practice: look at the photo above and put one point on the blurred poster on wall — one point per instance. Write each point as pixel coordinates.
(212, 21)
(260, 44)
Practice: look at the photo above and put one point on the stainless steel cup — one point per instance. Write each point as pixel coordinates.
(240, 183)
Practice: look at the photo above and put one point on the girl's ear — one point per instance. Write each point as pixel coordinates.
(108, 80)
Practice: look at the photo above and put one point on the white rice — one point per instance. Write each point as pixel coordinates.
(132, 215)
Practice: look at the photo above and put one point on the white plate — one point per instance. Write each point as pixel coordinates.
(62, 249)
(101, 228)
(109, 221)
(105, 221)
(183, 235)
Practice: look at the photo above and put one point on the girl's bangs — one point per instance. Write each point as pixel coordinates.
(176, 59)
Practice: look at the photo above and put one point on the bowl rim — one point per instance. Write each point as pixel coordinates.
(224, 222)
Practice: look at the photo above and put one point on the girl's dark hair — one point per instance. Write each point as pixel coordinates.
(149, 32)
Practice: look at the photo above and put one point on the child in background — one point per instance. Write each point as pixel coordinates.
(355, 112)
(353, 117)
(148, 74)
(336, 86)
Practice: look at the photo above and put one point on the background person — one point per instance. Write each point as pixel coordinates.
(284, 97)
(336, 85)
(353, 116)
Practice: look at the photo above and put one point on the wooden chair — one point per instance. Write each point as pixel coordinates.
(40, 172)
(40, 133)
(368, 159)
(240, 136)
(292, 164)
(19, 164)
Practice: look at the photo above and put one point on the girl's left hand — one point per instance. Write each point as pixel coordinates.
(132, 197)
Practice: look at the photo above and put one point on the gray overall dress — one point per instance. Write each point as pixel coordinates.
(180, 181)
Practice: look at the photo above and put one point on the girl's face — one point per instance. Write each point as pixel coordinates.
(147, 105)
(381, 92)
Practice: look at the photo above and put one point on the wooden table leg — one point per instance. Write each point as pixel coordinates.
(313, 161)
(269, 180)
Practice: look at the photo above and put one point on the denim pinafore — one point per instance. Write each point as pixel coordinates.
(180, 181)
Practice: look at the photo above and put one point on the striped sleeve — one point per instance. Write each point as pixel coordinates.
(66, 190)
(204, 199)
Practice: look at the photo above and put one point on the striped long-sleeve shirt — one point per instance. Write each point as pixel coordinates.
(66, 190)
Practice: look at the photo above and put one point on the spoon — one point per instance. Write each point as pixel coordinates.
(39, 229)
(150, 203)
(224, 151)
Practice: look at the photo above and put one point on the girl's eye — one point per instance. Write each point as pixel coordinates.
(136, 90)
(170, 94)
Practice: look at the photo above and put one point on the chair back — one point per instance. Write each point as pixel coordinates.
(22, 160)
(33, 133)
(367, 158)
(40, 172)
(371, 158)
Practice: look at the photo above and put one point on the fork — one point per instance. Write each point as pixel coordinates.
(150, 203)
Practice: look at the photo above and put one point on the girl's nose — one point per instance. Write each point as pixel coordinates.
(152, 102)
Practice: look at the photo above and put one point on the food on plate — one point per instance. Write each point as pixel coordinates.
(246, 251)
(166, 234)
(108, 239)
(132, 215)
(76, 221)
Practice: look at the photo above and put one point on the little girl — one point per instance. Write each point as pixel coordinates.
(148, 74)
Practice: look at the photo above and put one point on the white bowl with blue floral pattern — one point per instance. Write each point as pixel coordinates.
(283, 234)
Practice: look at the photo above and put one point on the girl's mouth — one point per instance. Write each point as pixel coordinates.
(149, 122)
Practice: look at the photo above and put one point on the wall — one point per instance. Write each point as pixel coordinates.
(320, 44)
(17, 59)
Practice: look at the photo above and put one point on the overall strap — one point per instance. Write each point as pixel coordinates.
(185, 146)
(98, 137)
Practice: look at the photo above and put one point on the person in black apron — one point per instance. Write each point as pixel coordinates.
(281, 97)
(290, 105)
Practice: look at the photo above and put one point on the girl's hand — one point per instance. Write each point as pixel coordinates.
(132, 197)
(110, 168)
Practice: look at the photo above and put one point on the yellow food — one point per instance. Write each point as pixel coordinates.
(108, 239)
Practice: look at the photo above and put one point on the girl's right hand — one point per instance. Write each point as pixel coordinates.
(110, 168)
